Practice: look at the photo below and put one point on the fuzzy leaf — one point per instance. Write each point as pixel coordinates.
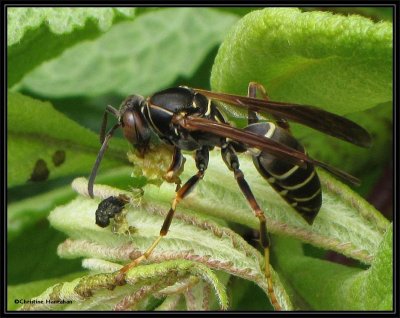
(374, 13)
(44, 144)
(346, 223)
(219, 248)
(342, 64)
(339, 287)
(88, 292)
(135, 57)
(27, 291)
(355, 160)
(46, 32)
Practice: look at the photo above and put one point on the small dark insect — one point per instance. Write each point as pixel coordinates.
(40, 171)
(58, 157)
(191, 119)
(108, 208)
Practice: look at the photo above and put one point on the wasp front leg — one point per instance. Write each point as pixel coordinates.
(201, 159)
(231, 160)
(252, 90)
(175, 168)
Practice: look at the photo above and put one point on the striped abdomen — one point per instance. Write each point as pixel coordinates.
(300, 187)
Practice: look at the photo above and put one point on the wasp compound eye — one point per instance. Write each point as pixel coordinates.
(135, 128)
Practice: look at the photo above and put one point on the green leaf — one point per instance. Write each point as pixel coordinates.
(30, 290)
(376, 284)
(342, 64)
(218, 248)
(355, 160)
(38, 135)
(245, 296)
(240, 11)
(27, 212)
(374, 13)
(47, 32)
(346, 223)
(339, 63)
(32, 256)
(24, 213)
(135, 56)
(339, 287)
(90, 292)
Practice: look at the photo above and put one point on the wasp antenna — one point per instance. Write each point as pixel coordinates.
(112, 110)
(103, 127)
(98, 159)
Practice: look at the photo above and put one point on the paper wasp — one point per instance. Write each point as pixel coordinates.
(191, 119)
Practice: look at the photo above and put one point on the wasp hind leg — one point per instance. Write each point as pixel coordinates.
(231, 160)
(201, 159)
(252, 90)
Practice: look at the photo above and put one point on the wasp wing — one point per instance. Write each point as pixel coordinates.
(250, 139)
(311, 116)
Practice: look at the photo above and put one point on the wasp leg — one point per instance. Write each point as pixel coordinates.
(252, 90)
(231, 160)
(201, 159)
(175, 168)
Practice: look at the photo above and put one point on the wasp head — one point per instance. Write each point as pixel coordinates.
(133, 123)
(134, 126)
